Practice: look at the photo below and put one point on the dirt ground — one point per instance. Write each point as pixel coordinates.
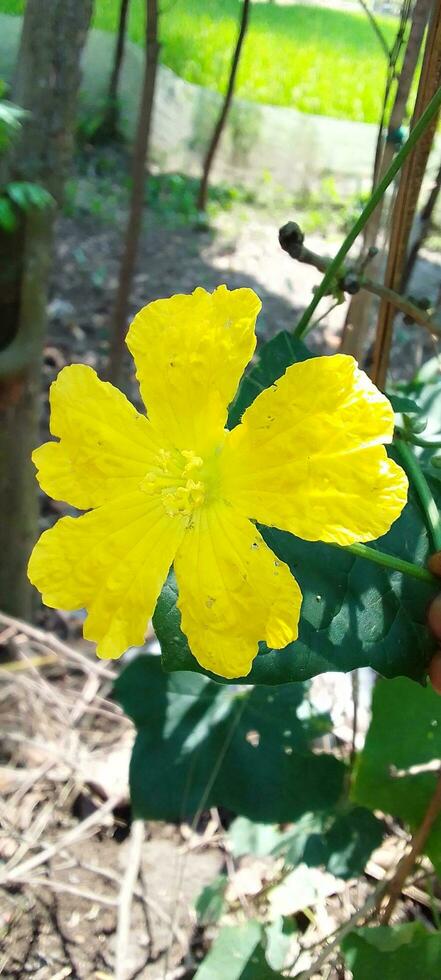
(69, 907)
(66, 837)
(65, 829)
(239, 247)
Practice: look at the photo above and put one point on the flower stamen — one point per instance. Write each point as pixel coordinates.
(173, 478)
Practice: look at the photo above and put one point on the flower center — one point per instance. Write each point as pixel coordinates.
(180, 477)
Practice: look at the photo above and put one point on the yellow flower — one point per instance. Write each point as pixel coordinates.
(177, 487)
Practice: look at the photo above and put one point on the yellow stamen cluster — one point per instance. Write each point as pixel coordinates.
(174, 479)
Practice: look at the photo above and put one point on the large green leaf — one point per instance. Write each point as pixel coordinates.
(204, 744)
(210, 903)
(407, 952)
(403, 742)
(354, 613)
(237, 954)
(340, 842)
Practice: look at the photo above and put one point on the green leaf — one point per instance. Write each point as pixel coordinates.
(238, 954)
(402, 405)
(342, 843)
(11, 117)
(248, 837)
(210, 903)
(202, 744)
(278, 939)
(8, 219)
(27, 195)
(354, 613)
(403, 738)
(407, 952)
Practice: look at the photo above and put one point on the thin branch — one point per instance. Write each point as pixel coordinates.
(134, 223)
(404, 867)
(62, 649)
(376, 28)
(393, 886)
(365, 912)
(93, 822)
(63, 886)
(350, 281)
(404, 305)
(126, 898)
(218, 129)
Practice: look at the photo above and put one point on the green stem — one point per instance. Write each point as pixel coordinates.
(390, 561)
(334, 266)
(418, 480)
(409, 436)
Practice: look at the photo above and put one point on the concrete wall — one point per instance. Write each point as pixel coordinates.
(289, 148)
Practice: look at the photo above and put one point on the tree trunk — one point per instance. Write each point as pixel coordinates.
(133, 230)
(407, 196)
(423, 223)
(218, 129)
(46, 84)
(358, 315)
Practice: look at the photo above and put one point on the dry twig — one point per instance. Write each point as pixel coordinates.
(93, 822)
(404, 867)
(126, 898)
(67, 653)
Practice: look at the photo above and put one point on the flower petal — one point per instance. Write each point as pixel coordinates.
(105, 447)
(113, 561)
(190, 352)
(307, 456)
(233, 592)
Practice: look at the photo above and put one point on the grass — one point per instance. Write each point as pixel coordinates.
(100, 188)
(314, 59)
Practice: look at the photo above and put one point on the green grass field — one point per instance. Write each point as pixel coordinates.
(315, 59)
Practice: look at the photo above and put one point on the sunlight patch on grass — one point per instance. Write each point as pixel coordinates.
(313, 59)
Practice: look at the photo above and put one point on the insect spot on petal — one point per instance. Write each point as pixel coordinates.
(209, 602)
